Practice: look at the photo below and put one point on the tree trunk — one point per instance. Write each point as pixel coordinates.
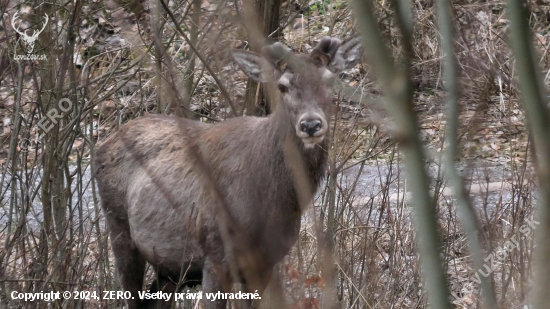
(194, 34)
(257, 103)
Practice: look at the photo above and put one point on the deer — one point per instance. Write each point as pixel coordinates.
(158, 177)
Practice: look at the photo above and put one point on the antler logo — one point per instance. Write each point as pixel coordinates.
(28, 40)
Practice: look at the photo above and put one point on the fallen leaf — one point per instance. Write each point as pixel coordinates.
(318, 280)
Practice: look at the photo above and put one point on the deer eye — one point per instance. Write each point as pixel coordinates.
(283, 88)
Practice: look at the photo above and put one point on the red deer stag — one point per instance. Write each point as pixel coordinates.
(158, 201)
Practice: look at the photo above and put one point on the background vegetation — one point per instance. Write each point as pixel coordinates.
(460, 114)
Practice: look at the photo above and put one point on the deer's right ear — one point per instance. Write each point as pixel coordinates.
(253, 65)
(347, 55)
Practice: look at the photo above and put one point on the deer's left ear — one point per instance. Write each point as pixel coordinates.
(324, 52)
(320, 59)
(347, 55)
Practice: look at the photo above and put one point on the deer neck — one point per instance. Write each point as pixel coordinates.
(314, 160)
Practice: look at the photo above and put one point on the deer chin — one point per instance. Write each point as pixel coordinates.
(310, 142)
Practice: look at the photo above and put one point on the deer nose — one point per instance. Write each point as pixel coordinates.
(310, 126)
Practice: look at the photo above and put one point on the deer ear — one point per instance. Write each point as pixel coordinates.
(253, 65)
(327, 46)
(347, 55)
(320, 59)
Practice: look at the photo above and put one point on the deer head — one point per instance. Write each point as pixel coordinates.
(303, 80)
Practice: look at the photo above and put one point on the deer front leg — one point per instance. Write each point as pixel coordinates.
(212, 277)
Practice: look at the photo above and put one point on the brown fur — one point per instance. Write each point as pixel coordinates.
(157, 201)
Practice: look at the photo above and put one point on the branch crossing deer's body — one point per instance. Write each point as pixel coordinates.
(158, 200)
